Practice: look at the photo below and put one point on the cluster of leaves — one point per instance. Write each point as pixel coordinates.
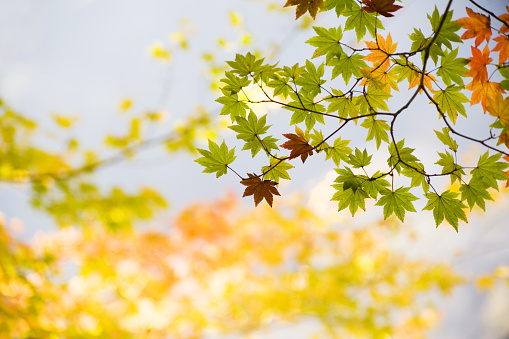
(370, 76)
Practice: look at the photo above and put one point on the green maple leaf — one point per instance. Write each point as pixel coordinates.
(327, 42)
(446, 139)
(359, 159)
(249, 65)
(310, 79)
(504, 71)
(217, 159)
(341, 104)
(268, 144)
(316, 139)
(304, 109)
(446, 205)
(232, 105)
(248, 129)
(450, 101)
(277, 169)
(350, 198)
(446, 35)
(234, 83)
(374, 186)
(373, 100)
(246, 65)
(397, 202)
(293, 72)
(377, 129)
(339, 151)
(490, 170)
(418, 179)
(405, 154)
(347, 66)
(339, 5)
(280, 85)
(450, 166)
(349, 180)
(452, 68)
(475, 193)
(359, 20)
(418, 39)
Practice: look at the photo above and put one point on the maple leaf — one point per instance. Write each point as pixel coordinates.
(446, 205)
(477, 64)
(504, 18)
(383, 7)
(277, 169)
(298, 145)
(380, 78)
(380, 50)
(303, 6)
(499, 107)
(477, 25)
(217, 159)
(377, 128)
(359, 20)
(503, 47)
(450, 101)
(482, 91)
(396, 202)
(260, 189)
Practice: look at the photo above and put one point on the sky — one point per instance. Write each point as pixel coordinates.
(83, 57)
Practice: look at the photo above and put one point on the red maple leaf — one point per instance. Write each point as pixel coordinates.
(298, 146)
(260, 189)
(477, 25)
(383, 7)
(477, 64)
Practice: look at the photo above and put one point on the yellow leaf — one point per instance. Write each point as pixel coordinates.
(235, 19)
(158, 51)
(125, 105)
(485, 283)
(63, 121)
(499, 107)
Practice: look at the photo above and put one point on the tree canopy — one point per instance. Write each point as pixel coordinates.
(367, 99)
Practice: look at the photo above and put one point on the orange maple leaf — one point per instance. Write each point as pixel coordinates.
(477, 25)
(504, 139)
(477, 64)
(298, 146)
(379, 50)
(482, 91)
(503, 47)
(260, 189)
(504, 18)
(303, 6)
(383, 7)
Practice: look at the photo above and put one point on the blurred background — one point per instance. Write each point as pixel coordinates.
(101, 64)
